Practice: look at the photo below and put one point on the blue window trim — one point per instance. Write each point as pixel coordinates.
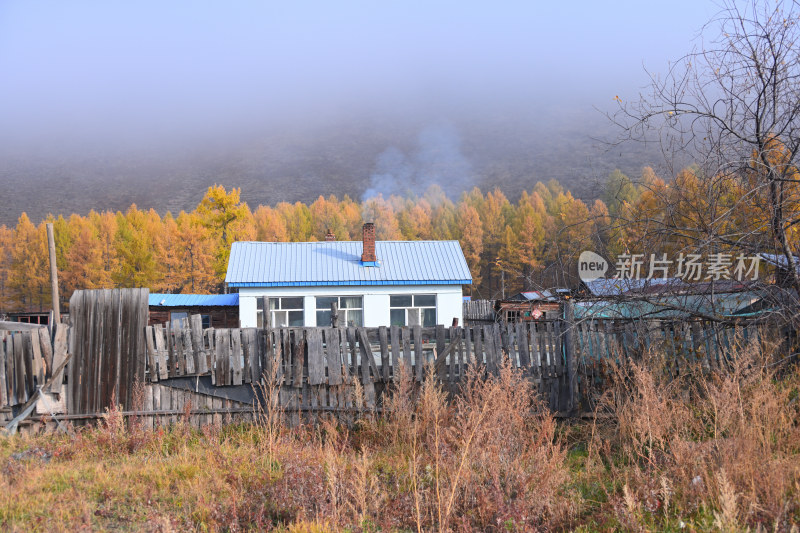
(346, 283)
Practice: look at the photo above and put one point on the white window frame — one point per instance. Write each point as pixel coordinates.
(346, 314)
(276, 308)
(413, 308)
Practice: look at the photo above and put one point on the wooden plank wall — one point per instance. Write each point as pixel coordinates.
(706, 342)
(27, 362)
(168, 405)
(679, 343)
(478, 312)
(317, 368)
(314, 363)
(108, 349)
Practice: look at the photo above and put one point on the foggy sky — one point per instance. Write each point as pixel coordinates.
(90, 81)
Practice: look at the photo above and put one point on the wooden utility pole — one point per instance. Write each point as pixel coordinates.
(51, 242)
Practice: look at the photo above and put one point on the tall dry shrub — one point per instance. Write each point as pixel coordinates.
(268, 414)
(715, 443)
(490, 458)
(400, 409)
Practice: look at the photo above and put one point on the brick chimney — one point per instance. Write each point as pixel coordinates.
(368, 251)
(330, 236)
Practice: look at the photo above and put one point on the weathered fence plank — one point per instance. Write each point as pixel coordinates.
(419, 356)
(384, 343)
(368, 358)
(333, 343)
(20, 384)
(199, 355)
(4, 395)
(162, 352)
(188, 350)
(394, 332)
(236, 357)
(407, 360)
(298, 360)
(316, 357)
(489, 348)
(152, 355)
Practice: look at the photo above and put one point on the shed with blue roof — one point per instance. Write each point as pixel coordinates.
(373, 283)
(216, 310)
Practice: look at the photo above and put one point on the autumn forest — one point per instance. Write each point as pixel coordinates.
(532, 243)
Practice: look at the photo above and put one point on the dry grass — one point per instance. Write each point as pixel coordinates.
(707, 451)
(716, 449)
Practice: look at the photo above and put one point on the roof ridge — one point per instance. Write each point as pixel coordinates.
(340, 242)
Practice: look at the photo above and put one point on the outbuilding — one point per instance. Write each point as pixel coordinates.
(216, 310)
(372, 283)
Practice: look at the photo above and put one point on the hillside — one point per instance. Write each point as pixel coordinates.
(301, 162)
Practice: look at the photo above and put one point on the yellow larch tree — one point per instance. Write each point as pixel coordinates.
(196, 253)
(229, 220)
(6, 244)
(29, 278)
(471, 239)
(135, 249)
(381, 212)
(83, 259)
(270, 226)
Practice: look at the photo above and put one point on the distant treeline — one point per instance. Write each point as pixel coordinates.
(530, 244)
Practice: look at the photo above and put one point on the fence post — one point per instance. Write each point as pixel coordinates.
(571, 356)
(334, 315)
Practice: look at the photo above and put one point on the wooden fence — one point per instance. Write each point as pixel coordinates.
(707, 342)
(28, 358)
(478, 312)
(680, 345)
(561, 358)
(107, 347)
(113, 356)
(333, 357)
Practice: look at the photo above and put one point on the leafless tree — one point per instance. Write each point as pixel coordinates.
(732, 106)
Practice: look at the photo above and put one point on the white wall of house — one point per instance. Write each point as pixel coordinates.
(375, 301)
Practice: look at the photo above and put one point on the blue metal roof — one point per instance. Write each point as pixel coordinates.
(617, 287)
(670, 306)
(780, 261)
(308, 264)
(192, 300)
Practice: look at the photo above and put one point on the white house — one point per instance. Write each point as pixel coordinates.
(374, 283)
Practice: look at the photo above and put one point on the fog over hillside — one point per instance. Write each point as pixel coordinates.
(104, 104)
(353, 156)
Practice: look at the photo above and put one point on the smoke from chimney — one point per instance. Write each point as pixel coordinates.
(368, 250)
(436, 160)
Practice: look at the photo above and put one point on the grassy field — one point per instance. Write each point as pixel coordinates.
(702, 452)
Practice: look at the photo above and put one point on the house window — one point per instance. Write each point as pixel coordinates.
(412, 309)
(176, 316)
(351, 310)
(284, 311)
